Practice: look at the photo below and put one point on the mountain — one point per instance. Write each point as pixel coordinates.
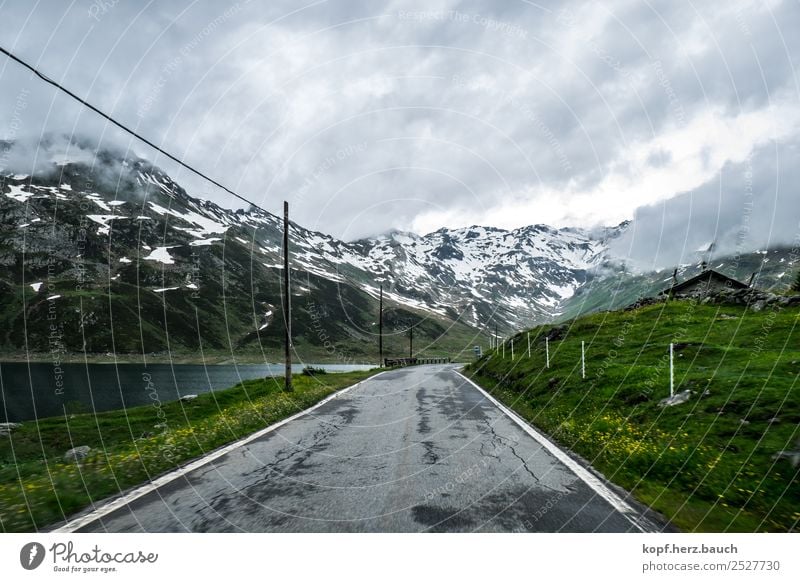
(485, 275)
(111, 255)
(103, 252)
(121, 257)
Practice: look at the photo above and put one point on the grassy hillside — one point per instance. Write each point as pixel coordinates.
(331, 322)
(709, 464)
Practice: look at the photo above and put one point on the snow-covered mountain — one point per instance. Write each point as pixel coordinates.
(127, 258)
(121, 225)
(487, 275)
(480, 276)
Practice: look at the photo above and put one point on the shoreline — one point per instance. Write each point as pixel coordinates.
(125, 448)
(187, 359)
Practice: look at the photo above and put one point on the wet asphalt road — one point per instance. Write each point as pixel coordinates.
(412, 450)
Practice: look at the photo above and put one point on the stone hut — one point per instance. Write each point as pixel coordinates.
(706, 283)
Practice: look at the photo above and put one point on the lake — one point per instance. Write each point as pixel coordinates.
(38, 390)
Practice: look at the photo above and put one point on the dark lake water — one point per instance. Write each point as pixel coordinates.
(29, 391)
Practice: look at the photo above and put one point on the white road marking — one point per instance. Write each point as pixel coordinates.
(633, 516)
(124, 500)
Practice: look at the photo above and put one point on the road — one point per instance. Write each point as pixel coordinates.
(410, 450)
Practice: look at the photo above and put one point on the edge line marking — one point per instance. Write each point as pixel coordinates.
(123, 500)
(639, 521)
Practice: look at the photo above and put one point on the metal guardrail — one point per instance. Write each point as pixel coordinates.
(401, 362)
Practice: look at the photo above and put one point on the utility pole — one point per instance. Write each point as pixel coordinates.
(287, 300)
(380, 328)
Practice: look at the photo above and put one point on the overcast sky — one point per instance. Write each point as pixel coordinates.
(369, 116)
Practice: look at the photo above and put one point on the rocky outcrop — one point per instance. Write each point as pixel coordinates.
(755, 299)
(7, 427)
(645, 301)
(676, 399)
(77, 454)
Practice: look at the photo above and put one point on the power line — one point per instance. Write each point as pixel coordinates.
(126, 129)
(123, 127)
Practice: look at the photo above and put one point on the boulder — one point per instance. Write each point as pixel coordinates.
(77, 454)
(7, 427)
(188, 397)
(678, 398)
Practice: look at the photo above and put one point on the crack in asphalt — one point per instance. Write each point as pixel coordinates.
(502, 440)
(225, 497)
(328, 428)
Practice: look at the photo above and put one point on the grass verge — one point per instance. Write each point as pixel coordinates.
(710, 464)
(130, 447)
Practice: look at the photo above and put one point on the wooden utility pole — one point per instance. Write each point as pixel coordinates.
(287, 301)
(380, 328)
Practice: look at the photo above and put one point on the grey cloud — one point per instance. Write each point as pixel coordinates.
(747, 206)
(478, 104)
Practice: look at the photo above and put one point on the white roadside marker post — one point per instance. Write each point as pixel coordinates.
(504, 349)
(671, 373)
(529, 344)
(512, 349)
(547, 351)
(583, 361)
